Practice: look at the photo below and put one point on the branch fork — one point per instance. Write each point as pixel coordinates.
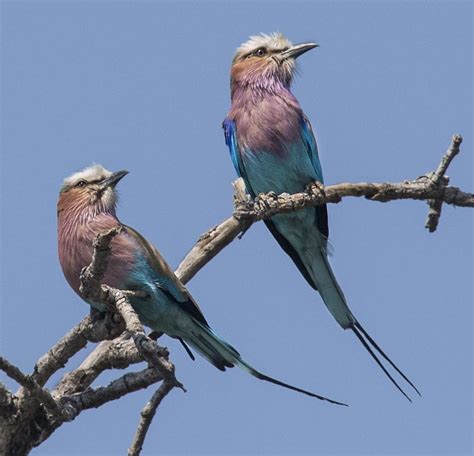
(439, 179)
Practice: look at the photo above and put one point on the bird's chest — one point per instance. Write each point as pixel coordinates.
(75, 253)
(290, 172)
(268, 125)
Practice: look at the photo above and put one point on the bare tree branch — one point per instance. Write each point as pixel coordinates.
(453, 150)
(31, 386)
(126, 384)
(119, 353)
(74, 341)
(147, 415)
(74, 404)
(247, 212)
(92, 275)
(214, 240)
(438, 178)
(148, 348)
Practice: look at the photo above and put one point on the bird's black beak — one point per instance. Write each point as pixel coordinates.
(297, 50)
(113, 179)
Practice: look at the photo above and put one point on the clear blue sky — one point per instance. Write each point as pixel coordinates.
(144, 86)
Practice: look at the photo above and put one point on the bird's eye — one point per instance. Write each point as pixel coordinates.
(81, 183)
(260, 52)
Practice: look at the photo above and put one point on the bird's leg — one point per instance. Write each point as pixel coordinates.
(96, 314)
(111, 320)
(155, 335)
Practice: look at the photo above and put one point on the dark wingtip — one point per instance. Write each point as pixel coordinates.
(355, 329)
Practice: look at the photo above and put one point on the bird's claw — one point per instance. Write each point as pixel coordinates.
(155, 335)
(96, 314)
(315, 189)
(265, 200)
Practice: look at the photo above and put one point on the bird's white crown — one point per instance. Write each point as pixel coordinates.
(92, 173)
(273, 41)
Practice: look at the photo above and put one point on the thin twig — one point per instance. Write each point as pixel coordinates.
(74, 341)
(119, 353)
(74, 404)
(92, 275)
(453, 150)
(438, 179)
(147, 415)
(148, 348)
(217, 238)
(126, 384)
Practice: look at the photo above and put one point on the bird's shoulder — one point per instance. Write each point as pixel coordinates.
(166, 278)
(153, 257)
(228, 125)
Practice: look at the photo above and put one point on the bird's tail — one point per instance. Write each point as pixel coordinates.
(335, 301)
(222, 355)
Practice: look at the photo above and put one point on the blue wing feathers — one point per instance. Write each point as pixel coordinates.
(231, 141)
(312, 147)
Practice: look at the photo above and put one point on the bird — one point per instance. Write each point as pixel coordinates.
(273, 148)
(87, 207)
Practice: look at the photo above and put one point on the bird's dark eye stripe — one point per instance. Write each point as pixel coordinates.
(261, 51)
(256, 52)
(83, 182)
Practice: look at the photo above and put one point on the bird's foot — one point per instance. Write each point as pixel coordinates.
(155, 335)
(96, 314)
(265, 201)
(315, 189)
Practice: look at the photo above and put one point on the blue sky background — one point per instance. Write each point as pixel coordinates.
(144, 86)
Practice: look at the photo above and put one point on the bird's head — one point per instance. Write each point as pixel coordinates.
(265, 62)
(91, 190)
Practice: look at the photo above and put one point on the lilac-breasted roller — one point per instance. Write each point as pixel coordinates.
(87, 207)
(273, 148)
